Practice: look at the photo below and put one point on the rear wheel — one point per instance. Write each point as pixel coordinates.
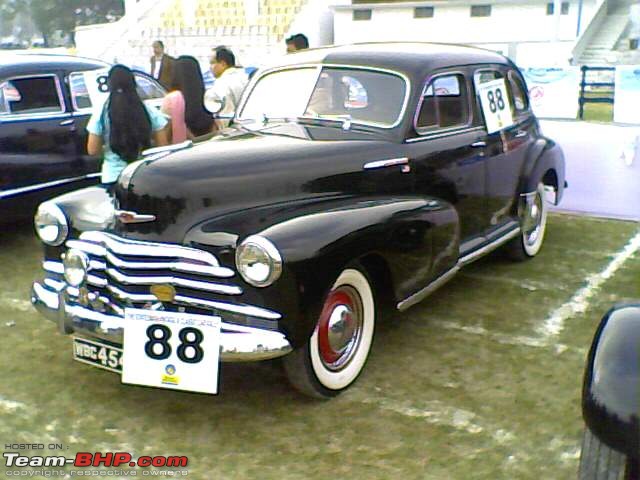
(533, 223)
(599, 462)
(338, 349)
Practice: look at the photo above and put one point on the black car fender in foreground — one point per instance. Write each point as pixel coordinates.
(611, 396)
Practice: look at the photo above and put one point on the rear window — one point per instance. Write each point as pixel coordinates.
(444, 104)
(31, 95)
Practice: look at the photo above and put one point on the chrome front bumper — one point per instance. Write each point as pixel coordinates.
(238, 343)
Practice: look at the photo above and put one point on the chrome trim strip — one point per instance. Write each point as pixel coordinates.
(167, 148)
(53, 267)
(428, 290)
(386, 163)
(248, 310)
(148, 249)
(447, 133)
(100, 251)
(230, 307)
(177, 281)
(407, 94)
(126, 216)
(40, 186)
(471, 257)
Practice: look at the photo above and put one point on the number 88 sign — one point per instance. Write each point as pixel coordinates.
(172, 350)
(495, 105)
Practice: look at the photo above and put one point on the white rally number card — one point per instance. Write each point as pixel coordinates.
(495, 105)
(178, 351)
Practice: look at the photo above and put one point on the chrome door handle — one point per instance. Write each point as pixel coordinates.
(480, 144)
(66, 123)
(393, 162)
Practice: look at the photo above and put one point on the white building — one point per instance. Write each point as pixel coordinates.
(531, 32)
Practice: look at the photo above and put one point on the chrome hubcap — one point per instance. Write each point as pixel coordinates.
(340, 327)
(534, 214)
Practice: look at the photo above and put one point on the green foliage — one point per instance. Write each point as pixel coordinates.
(64, 15)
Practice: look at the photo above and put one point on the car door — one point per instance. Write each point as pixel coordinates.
(448, 154)
(37, 135)
(507, 146)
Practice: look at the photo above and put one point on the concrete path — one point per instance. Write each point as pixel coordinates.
(603, 167)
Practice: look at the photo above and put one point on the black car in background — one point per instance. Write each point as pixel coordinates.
(355, 176)
(45, 104)
(611, 398)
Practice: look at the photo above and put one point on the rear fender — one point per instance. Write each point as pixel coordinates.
(545, 162)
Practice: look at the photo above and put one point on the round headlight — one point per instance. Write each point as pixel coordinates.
(51, 224)
(76, 265)
(258, 261)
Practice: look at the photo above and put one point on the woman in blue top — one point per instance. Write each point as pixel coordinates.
(122, 127)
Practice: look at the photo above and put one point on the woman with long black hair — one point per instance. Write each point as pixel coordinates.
(123, 126)
(185, 103)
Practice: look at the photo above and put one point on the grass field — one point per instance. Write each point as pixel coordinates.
(480, 381)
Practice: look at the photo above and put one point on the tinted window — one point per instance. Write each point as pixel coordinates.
(79, 94)
(32, 95)
(444, 103)
(147, 89)
(481, 10)
(362, 14)
(423, 12)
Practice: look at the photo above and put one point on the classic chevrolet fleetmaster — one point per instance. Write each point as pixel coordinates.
(353, 176)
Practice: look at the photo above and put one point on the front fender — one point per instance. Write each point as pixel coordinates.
(415, 239)
(544, 156)
(611, 389)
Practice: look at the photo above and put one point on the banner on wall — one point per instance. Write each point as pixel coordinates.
(553, 92)
(626, 106)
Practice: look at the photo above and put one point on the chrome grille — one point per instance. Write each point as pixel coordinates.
(122, 271)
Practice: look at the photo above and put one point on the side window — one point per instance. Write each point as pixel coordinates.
(79, 93)
(31, 95)
(519, 93)
(444, 104)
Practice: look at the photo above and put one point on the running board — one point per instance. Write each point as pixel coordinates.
(488, 248)
(448, 275)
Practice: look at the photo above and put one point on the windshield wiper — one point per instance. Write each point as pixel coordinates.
(345, 119)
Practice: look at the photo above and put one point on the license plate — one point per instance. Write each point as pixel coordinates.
(97, 354)
(172, 350)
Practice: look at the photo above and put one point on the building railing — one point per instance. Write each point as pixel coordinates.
(606, 90)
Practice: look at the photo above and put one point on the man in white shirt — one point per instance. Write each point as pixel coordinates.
(229, 83)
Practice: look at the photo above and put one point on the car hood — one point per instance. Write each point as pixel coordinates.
(244, 169)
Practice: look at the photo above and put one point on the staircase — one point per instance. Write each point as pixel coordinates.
(602, 47)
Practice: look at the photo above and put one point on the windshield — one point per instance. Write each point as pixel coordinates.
(363, 96)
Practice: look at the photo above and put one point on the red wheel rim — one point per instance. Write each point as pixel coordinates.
(340, 327)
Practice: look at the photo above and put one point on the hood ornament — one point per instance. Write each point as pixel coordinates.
(126, 216)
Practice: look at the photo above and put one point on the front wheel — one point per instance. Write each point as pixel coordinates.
(533, 222)
(337, 351)
(599, 462)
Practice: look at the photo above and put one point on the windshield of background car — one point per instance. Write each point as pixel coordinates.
(364, 96)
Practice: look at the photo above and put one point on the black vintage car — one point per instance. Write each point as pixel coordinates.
(354, 176)
(45, 104)
(611, 398)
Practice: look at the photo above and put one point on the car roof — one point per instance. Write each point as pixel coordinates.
(407, 57)
(11, 63)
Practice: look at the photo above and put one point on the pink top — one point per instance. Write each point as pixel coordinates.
(173, 105)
